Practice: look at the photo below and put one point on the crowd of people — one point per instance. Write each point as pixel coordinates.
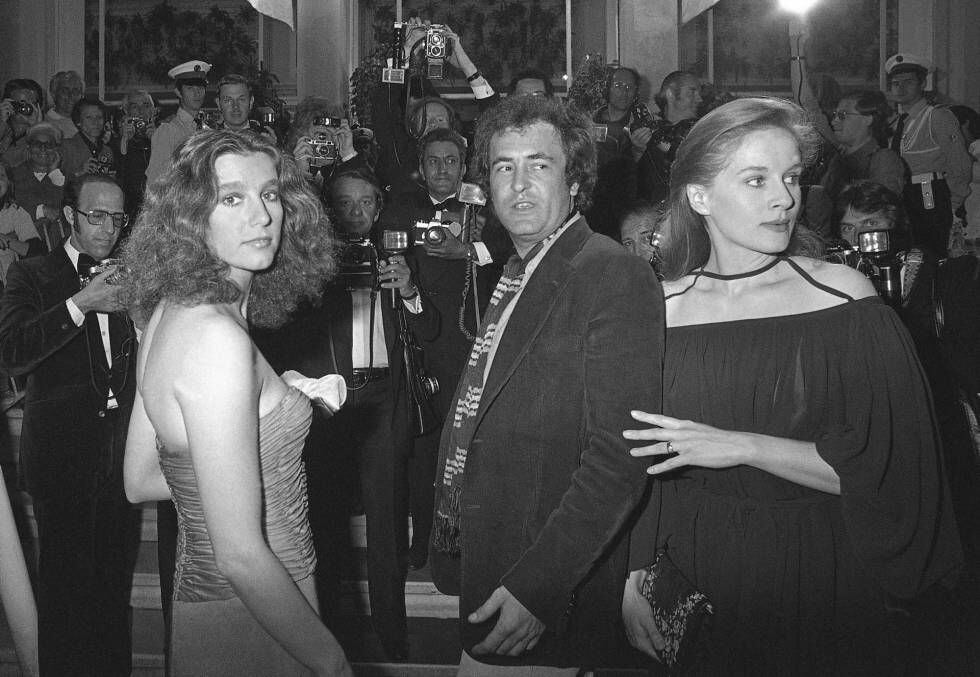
(734, 344)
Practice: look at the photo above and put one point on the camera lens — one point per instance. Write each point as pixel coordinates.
(435, 235)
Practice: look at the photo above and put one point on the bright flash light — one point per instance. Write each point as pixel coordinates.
(797, 6)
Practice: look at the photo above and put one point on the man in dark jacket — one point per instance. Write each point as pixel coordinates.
(535, 479)
(77, 348)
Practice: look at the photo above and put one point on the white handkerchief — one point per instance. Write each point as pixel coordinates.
(328, 392)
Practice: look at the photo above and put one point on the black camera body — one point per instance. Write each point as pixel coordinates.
(23, 108)
(434, 232)
(436, 51)
(86, 276)
(874, 258)
(325, 149)
(359, 263)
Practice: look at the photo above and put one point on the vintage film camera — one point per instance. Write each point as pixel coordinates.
(434, 232)
(325, 150)
(86, 276)
(875, 259)
(437, 230)
(359, 263)
(436, 50)
(23, 108)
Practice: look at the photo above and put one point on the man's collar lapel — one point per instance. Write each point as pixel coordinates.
(533, 309)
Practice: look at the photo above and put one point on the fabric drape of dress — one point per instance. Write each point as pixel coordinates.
(213, 633)
(802, 581)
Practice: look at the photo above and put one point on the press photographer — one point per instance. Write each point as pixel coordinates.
(938, 304)
(405, 111)
(325, 143)
(76, 346)
(357, 458)
(456, 273)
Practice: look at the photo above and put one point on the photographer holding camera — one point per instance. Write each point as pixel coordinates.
(354, 331)
(87, 151)
(324, 142)
(455, 276)
(137, 123)
(76, 345)
(20, 107)
(405, 112)
(940, 309)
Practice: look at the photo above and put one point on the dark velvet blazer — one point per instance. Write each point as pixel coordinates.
(548, 482)
(63, 447)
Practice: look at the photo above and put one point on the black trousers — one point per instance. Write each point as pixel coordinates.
(88, 547)
(930, 227)
(366, 443)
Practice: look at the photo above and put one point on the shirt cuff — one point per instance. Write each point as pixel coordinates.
(481, 88)
(414, 304)
(77, 316)
(482, 253)
(348, 158)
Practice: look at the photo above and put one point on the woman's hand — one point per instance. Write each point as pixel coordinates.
(693, 443)
(641, 631)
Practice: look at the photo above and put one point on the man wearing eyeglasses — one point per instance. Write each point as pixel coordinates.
(39, 182)
(67, 331)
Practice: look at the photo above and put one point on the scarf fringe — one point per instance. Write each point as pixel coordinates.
(445, 531)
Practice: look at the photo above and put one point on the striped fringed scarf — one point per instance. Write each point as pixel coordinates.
(452, 455)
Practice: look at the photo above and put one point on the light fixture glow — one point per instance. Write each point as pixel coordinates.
(797, 6)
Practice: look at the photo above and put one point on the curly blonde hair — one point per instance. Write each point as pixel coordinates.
(167, 256)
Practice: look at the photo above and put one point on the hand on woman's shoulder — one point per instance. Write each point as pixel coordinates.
(837, 276)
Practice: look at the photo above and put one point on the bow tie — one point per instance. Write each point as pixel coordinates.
(85, 264)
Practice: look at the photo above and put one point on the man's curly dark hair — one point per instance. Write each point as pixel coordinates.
(517, 113)
(167, 256)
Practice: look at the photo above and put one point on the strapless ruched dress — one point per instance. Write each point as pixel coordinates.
(212, 632)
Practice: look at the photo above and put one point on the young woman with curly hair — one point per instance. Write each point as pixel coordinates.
(229, 235)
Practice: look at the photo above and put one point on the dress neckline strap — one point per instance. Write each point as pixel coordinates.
(739, 276)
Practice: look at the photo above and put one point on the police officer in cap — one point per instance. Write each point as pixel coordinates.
(190, 86)
(930, 141)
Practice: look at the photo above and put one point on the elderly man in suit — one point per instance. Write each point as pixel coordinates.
(536, 480)
(76, 346)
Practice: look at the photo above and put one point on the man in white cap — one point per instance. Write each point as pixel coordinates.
(190, 85)
(930, 141)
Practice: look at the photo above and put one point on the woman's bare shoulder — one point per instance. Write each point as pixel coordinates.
(837, 276)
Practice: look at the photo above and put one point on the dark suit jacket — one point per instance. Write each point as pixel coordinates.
(317, 340)
(61, 447)
(548, 481)
(441, 283)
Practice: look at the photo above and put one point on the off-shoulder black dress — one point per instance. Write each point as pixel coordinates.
(804, 582)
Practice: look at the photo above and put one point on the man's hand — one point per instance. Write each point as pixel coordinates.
(517, 630)
(639, 138)
(6, 110)
(457, 55)
(450, 248)
(303, 154)
(395, 274)
(345, 140)
(99, 295)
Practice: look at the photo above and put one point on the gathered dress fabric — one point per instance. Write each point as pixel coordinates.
(804, 582)
(212, 631)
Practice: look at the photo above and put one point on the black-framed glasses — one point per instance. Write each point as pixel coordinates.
(97, 217)
(841, 114)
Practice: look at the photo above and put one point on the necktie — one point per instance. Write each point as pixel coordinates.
(896, 144)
